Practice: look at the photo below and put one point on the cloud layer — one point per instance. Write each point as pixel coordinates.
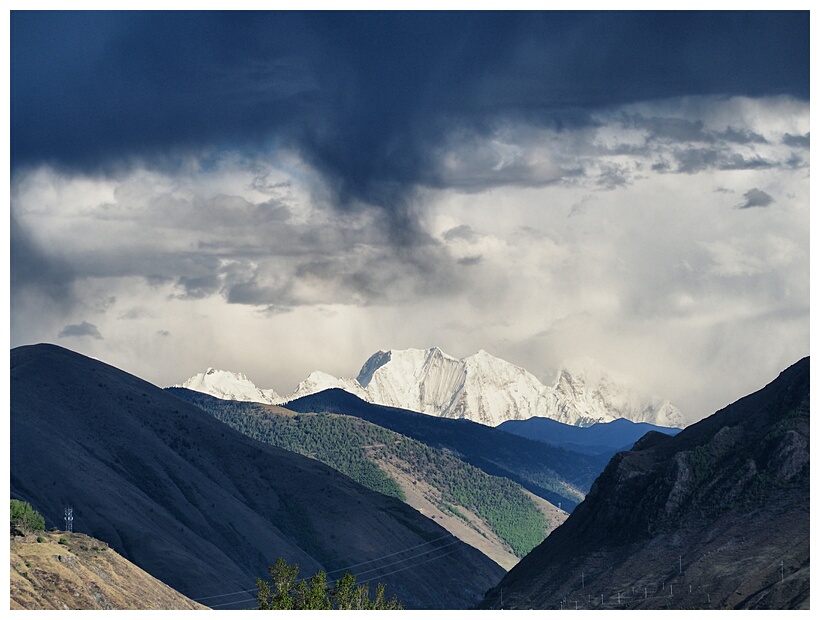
(286, 192)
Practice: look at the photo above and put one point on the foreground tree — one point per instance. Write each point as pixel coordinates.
(286, 591)
(25, 519)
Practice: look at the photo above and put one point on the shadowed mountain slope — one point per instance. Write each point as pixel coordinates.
(202, 507)
(715, 517)
(555, 474)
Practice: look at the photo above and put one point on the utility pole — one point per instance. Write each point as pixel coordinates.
(781, 571)
(619, 598)
(69, 519)
(644, 593)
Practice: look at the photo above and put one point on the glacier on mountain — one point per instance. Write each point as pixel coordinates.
(480, 387)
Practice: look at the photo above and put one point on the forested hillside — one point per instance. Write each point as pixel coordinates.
(357, 448)
(558, 475)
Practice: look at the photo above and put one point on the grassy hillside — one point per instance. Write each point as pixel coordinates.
(357, 448)
(82, 573)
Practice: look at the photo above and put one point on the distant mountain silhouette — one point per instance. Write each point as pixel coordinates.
(714, 517)
(204, 508)
(555, 474)
(603, 438)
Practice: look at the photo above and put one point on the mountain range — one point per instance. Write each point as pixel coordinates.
(714, 517)
(480, 387)
(201, 506)
(604, 438)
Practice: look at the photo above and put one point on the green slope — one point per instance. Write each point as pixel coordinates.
(355, 447)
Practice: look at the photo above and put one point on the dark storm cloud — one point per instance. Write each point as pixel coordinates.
(613, 176)
(468, 261)
(674, 129)
(81, 329)
(799, 141)
(692, 160)
(199, 286)
(736, 161)
(31, 267)
(366, 98)
(741, 136)
(251, 293)
(756, 198)
(463, 231)
(680, 130)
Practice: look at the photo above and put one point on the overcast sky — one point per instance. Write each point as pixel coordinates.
(285, 192)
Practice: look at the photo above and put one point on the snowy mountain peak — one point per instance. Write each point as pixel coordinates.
(490, 390)
(480, 387)
(597, 397)
(318, 381)
(229, 386)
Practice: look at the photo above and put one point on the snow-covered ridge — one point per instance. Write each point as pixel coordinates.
(480, 387)
(230, 386)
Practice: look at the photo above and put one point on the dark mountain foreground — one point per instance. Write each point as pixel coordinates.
(82, 573)
(204, 508)
(603, 438)
(557, 475)
(715, 517)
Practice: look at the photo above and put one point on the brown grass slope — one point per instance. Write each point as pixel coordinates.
(202, 507)
(716, 517)
(83, 573)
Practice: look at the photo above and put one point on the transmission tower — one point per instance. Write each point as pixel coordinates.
(69, 519)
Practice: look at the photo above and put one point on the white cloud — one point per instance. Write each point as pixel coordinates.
(543, 245)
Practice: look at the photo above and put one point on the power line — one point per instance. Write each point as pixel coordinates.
(205, 598)
(418, 555)
(398, 570)
(236, 581)
(389, 555)
(366, 581)
(244, 600)
(384, 557)
(382, 567)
